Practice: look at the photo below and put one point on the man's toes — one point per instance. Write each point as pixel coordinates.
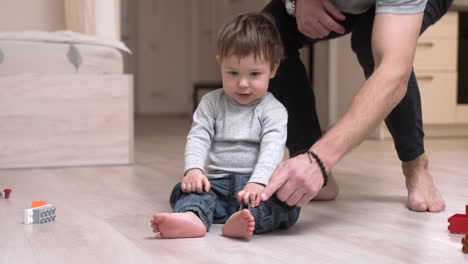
(441, 206)
(436, 207)
(417, 206)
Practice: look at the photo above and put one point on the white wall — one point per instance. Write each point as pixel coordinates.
(19, 15)
(321, 82)
(175, 47)
(338, 77)
(350, 74)
(208, 16)
(163, 65)
(108, 19)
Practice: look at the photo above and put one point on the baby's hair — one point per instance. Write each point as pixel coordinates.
(250, 34)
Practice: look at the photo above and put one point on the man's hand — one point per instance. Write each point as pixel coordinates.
(251, 194)
(195, 181)
(296, 181)
(317, 18)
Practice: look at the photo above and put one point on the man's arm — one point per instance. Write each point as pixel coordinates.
(393, 43)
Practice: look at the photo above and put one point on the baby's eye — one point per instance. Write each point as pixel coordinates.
(255, 74)
(233, 73)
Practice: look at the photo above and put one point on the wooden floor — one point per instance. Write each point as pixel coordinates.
(103, 212)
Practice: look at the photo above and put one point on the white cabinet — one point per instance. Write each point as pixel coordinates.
(435, 66)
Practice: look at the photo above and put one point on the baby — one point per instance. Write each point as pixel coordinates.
(235, 143)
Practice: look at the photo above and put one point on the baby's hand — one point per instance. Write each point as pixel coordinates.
(195, 181)
(251, 194)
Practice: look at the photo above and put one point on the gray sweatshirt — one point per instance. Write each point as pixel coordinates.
(229, 138)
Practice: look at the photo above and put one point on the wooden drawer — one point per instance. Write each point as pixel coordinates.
(50, 120)
(440, 54)
(438, 96)
(445, 28)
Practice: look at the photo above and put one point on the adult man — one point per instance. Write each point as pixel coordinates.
(384, 36)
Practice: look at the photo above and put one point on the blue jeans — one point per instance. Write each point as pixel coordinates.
(218, 204)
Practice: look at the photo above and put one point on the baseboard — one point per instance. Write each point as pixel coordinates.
(430, 131)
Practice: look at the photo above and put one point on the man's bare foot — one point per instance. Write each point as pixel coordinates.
(422, 193)
(329, 192)
(177, 225)
(240, 224)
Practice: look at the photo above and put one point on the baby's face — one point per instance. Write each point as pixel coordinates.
(246, 79)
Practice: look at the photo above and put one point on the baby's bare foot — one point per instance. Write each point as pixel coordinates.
(177, 225)
(422, 192)
(240, 224)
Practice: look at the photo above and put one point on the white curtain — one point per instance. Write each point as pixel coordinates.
(80, 16)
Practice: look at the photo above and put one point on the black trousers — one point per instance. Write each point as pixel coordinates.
(292, 87)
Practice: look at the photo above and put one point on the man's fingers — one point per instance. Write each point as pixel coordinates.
(323, 31)
(183, 187)
(315, 28)
(305, 199)
(309, 31)
(295, 197)
(330, 24)
(279, 177)
(332, 10)
(285, 191)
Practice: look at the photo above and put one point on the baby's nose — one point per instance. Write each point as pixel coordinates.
(243, 83)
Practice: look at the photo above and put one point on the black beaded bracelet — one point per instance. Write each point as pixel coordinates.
(312, 154)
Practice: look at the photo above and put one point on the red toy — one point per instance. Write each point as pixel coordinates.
(5, 193)
(465, 244)
(458, 223)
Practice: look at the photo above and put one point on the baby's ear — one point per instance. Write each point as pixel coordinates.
(218, 59)
(274, 69)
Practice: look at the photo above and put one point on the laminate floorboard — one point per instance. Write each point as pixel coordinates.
(103, 212)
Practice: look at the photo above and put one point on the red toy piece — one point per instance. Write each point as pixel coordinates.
(458, 223)
(7, 193)
(465, 244)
